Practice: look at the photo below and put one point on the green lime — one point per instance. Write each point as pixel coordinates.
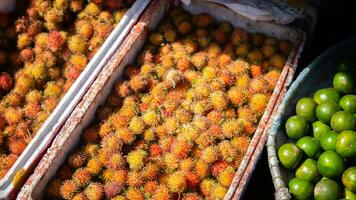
(289, 154)
(326, 94)
(319, 129)
(326, 189)
(345, 144)
(328, 141)
(348, 103)
(330, 164)
(296, 127)
(344, 82)
(345, 64)
(325, 111)
(301, 189)
(349, 195)
(349, 179)
(306, 108)
(310, 146)
(308, 170)
(343, 120)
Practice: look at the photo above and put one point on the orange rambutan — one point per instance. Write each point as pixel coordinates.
(231, 128)
(134, 179)
(125, 135)
(184, 27)
(138, 83)
(111, 144)
(181, 148)
(199, 60)
(237, 96)
(224, 60)
(215, 116)
(68, 189)
(81, 177)
(255, 71)
(77, 159)
(240, 144)
(220, 36)
(76, 44)
(32, 109)
(49, 104)
(278, 61)
(204, 140)
(193, 180)
(79, 61)
(258, 85)
(94, 166)
(133, 193)
(218, 167)
(94, 191)
(55, 41)
(269, 50)
(246, 113)
(122, 89)
(186, 165)
(248, 127)
(206, 186)
(120, 176)
(90, 134)
(150, 187)
(227, 151)
(150, 171)
(155, 150)
(26, 55)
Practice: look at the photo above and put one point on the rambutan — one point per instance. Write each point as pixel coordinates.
(94, 166)
(239, 36)
(171, 162)
(285, 47)
(134, 179)
(149, 135)
(218, 167)
(242, 50)
(38, 71)
(231, 128)
(186, 165)
(23, 40)
(77, 159)
(215, 116)
(49, 104)
(150, 187)
(214, 50)
(183, 115)
(177, 182)
(79, 196)
(240, 144)
(192, 196)
(120, 176)
(32, 109)
(112, 189)
(90, 134)
(76, 44)
(95, 42)
(52, 90)
(277, 61)
(17, 146)
(104, 112)
(227, 151)
(248, 126)
(122, 89)
(258, 102)
(150, 171)
(238, 67)
(180, 148)
(220, 36)
(111, 144)
(12, 115)
(138, 83)
(258, 85)
(272, 78)
(257, 39)
(189, 132)
(94, 191)
(184, 27)
(125, 135)
(12, 99)
(210, 154)
(218, 192)
(81, 177)
(26, 55)
(79, 61)
(193, 180)
(155, 38)
(134, 194)
(218, 100)
(255, 71)
(53, 188)
(107, 175)
(204, 140)
(255, 56)
(224, 60)
(155, 150)
(55, 41)
(237, 96)
(136, 159)
(206, 186)
(243, 81)
(137, 125)
(199, 60)
(268, 50)
(116, 161)
(68, 189)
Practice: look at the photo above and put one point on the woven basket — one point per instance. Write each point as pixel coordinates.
(7, 6)
(317, 75)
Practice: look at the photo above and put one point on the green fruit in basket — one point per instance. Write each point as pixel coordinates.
(308, 170)
(345, 64)
(326, 110)
(343, 120)
(349, 195)
(345, 144)
(319, 129)
(310, 146)
(326, 189)
(289, 154)
(349, 179)
(328, 141)
(348, 103)
(301, 189)
(330, 164)
(296, 127)
(344, 82)
(306, 108)
(326, 94)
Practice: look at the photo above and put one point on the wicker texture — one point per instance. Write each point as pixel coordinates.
(317, 75)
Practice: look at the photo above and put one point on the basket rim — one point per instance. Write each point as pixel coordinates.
(281, 189)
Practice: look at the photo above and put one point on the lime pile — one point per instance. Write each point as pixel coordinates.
(323, 154)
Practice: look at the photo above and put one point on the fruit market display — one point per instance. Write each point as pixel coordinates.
(178, 124)
(44, 51)
(322, 145)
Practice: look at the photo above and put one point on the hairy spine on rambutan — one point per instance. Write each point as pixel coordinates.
(136, 159)
(77, 159)
(81, 177)
(68, 189)
(94, 191)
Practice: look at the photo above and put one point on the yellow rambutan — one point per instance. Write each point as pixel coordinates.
(246, 113)
(258, 85)
(33, 96)
(136, 159)
(137, 125)
(237, 96)
(150, 171)
(218, 192)
(177, 182)
(210, 154)
(189, 132)
(81, 177)
(181, 148)
(186, 165)
(94, 166)
(68, 189)
(200, 107)
(218, 100)
(79, 196)
(243, 81)
(278, 61)
(111, 144)
(37, 71)
(227, 151)
(240, 144)
(134, 179)
(183, 115)
(77, 159)
(206, 186)
(272, 78)
(76, 44)
(149, 135)
(199, 60)
(92, 9)
(53, 189)
(213, 50)
(108, 175)
(209, 72)
(52, 90)
(12, 115)
(170, 125)
(204, 140)
(79, 61)
(238, 36)
(23, 40)
(150, 187)
(171, 162)
(242, 50)
(94, 191)
(133, 193)
(125, 135)
(258, 102)
(238, 67)
(138, 83)
(231, 128)
(12, 99)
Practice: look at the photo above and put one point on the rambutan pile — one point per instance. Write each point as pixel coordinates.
(181, 120)
(43, 51)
